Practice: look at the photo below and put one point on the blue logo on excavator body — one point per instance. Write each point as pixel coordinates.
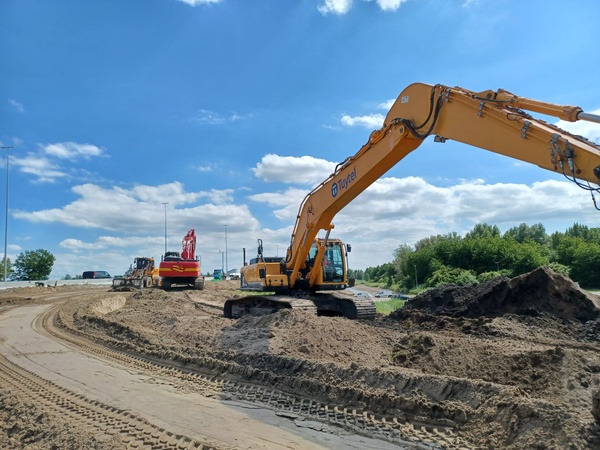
(342, 183)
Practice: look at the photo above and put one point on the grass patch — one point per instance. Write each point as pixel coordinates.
(388, 306)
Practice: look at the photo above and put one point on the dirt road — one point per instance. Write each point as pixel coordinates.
(509, 364)
(169, 410)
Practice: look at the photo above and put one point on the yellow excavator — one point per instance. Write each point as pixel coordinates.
(492, 120)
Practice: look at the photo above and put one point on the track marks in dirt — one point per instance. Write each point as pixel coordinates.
(129, 430)
(416, 434)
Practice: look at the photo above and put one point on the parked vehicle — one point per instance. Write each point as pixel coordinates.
(94, 274)
(383, 294)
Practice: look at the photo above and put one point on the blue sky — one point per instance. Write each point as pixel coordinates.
(231, 111)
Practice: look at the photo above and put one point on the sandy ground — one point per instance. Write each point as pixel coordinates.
(511, 364)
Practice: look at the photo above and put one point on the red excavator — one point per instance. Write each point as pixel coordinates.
(181, 269)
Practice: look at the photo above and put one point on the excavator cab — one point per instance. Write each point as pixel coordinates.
(326, 265)
(332, 262)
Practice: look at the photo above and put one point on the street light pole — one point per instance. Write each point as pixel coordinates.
(222, 273)
(165, 203)
(6, 222)
(226, 268)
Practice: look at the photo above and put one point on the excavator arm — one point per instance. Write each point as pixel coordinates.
(491, 120)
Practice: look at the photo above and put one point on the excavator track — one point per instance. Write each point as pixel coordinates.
(365, 308)
(316, 304)
(265, 304)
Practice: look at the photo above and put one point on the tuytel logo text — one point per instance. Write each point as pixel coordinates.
(342, 183)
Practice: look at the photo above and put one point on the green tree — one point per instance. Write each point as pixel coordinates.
(560, 268)
(447, 275)
(565, 247)
(483, 230)
(33, 265)
(524, 232)
(584, 268)
(357, 274)
(8, 269)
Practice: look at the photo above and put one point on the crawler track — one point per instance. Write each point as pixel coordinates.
(317, 304)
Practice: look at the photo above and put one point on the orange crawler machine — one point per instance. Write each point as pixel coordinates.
(182, 269)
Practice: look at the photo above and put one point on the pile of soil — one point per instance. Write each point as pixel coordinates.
(533, 294)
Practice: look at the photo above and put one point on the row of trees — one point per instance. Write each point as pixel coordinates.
(29, 265)
(484, 253)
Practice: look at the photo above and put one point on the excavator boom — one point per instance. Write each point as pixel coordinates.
(490, 120)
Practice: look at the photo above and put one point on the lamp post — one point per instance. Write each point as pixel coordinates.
(416, 281)
(6, 222)
(165, 203)
(226, 268)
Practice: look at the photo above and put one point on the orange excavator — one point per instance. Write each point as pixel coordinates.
(492, 120)
(183, 269)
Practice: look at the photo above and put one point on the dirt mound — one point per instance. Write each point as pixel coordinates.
(107, 305)
(505, 364)
(532, 294)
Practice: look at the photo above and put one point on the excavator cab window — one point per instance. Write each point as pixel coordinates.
(333, 265)
(312, 253)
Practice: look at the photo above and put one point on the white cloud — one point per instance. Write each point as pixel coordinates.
(340, 7)
(208, 117)
(289, 169)
(285, 203)
(42, 168)
(370, 121)
(387, 105)
(140, 209)
(71, 150)
(16, 105)
(335, 7)
(199, 2)
(105, 242)
(389, 5)
(206, 167)
(47, 164)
